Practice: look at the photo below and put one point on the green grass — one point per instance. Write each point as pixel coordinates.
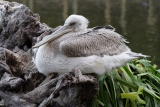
(135, 85)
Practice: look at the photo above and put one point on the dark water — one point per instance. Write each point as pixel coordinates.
(137, 20)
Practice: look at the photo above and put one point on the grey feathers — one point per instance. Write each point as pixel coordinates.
(109, 27)
(99, 41)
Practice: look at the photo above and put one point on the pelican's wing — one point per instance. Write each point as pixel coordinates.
(95, 42)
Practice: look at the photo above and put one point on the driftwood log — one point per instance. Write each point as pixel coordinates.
(21, 85)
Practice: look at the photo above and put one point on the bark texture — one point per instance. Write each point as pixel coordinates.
(21, 85)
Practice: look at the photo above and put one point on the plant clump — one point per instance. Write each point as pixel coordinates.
(135, 85)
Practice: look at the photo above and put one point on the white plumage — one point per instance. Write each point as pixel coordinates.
(74, 46)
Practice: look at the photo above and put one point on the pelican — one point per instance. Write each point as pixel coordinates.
(75, 46)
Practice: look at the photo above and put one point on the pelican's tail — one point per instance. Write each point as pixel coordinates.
(137, 55)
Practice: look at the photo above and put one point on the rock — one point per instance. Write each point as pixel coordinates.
(10, 83)
(19, 27)
(21, 85)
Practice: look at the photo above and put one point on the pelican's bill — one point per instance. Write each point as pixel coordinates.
(52, 37)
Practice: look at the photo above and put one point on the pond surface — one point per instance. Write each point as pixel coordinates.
(137, 20)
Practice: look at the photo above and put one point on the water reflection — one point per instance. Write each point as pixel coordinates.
(107, 14)
(123, 21)
(65, 9)
(75, 6)
(137, 20)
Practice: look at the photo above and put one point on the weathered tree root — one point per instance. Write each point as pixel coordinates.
(64, 91)
(70, 91)
(21, 85)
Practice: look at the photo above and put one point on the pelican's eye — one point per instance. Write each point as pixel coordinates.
(72, 23)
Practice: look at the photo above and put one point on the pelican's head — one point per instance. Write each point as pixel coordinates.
(74, 23)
